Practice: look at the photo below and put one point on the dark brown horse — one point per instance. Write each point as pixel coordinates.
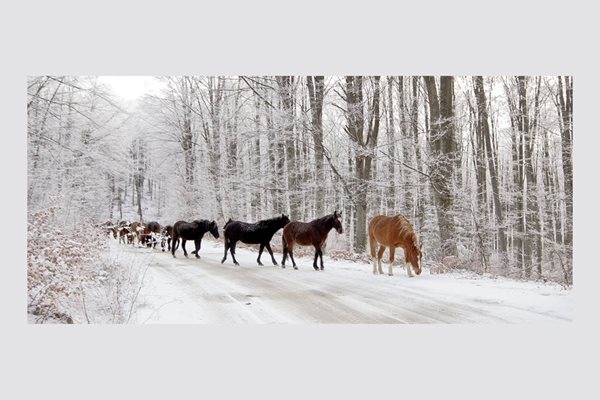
(394, 232)
(192, 231)
(150, 234)
(309, 233)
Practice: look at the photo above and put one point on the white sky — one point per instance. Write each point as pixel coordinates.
(130, 87)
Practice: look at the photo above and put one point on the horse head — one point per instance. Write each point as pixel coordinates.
(284, 220)
(415, 256)
(214, 230)
(336, 222)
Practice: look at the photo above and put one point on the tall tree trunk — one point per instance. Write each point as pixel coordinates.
(255, 168)
(419, 207)
(524, 131)
(443, 148)
(316, 87)
(286, 96)
(355, 124)
(565, 97)
(492, 161)
(391, 137)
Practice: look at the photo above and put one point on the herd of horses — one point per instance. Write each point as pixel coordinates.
(384, 233)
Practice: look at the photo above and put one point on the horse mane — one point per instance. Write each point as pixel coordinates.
(267, 223)
(407, 233)
(323, 219)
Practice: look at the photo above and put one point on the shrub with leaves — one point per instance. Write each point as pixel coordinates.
(56, 261)
(74, 276)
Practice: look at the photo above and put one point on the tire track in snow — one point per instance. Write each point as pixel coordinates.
(210, 292)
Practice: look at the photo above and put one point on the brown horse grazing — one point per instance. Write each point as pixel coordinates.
(394, 232)
(309, 233)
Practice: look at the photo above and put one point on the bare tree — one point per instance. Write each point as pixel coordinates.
(441, 111)
(364, 147)
(316, 92)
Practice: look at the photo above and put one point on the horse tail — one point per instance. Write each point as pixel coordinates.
(286, 247)
(372, 240)
(372, 243)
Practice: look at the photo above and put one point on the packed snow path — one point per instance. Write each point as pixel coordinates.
(190, 290)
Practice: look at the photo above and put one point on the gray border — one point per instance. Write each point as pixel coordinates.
(296, 361)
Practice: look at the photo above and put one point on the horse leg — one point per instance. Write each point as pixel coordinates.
(232, 251)
(408, 266)
(183, 247)
(285, 252)
(321, 257)
(268, 246)
(260, 250)
(226, 248)
(378, 259)
(392, 257)
(175, 242)
(316, 256)
(291, 251)
(373, 247)
(197, 243)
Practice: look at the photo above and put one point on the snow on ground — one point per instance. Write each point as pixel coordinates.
(182, 290)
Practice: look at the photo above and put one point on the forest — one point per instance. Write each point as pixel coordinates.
(481, 165)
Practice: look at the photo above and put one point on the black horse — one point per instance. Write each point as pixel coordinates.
(260, 232)
(166, 235)
(192, 231)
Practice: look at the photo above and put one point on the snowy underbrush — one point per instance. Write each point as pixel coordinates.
(553, 270)
(554, 267)
(74, 276)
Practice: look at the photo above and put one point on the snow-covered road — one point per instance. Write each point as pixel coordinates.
(184, 290)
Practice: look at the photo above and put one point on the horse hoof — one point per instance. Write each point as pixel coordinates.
(274, 263)
(259, 263)
(197, 256)
(222, 261)
(391, 274)
(236, 263)
(282, 266)
(295, 267)
(316, 268)
(321, 268)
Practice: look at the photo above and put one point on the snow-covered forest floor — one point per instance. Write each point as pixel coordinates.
(204, 291)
